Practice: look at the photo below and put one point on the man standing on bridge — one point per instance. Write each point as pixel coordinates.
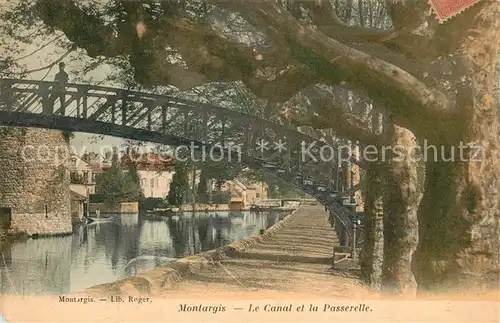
(59, 88)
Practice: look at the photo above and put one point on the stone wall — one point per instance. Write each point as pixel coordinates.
(34, 180)
(210, 208)
(126, 207)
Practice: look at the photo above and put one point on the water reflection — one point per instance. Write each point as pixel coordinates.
(103, 252)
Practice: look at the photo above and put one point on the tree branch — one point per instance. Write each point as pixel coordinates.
(401, 40)
(342, 124)
(209, 56)
(302, 56)
(329, 115)
(382, 80)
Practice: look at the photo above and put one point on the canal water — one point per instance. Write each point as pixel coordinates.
(104, 252)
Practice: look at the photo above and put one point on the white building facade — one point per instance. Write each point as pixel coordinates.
(82, 179)
(155, 184)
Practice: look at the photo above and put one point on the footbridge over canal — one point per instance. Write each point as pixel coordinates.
(257, 143)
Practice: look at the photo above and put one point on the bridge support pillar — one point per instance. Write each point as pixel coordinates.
(35, 181)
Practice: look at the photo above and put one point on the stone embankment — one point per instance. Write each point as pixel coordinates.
(120, 208)
(295, 255)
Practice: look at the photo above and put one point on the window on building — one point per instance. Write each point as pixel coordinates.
(5, 218)
(85, 176)
(257, 195)
(75, 178)
(152, 182)
(143, 182)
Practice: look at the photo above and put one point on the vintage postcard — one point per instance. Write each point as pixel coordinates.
(249, 161)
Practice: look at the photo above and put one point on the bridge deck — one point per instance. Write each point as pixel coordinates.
(295, 260)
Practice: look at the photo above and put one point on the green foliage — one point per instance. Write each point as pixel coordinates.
(5, 131)
(216, 172)
(132, 177)
(220, 171)
(202, 195)
(221, 197)
(179, 186)
(150, 203)
(115, 186)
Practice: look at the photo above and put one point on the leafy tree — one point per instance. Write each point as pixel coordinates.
(215, 172)
(150, 203)
(115, 186)
(179, 186)
(134, 181)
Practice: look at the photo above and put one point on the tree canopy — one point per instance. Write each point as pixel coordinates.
(115, 186)
(179, 186)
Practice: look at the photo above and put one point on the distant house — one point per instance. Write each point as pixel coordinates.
(246, 191)
(81, 176)
(91, 157)
(257, 192)
(236, 203)
(97, 170)
(155, 184)
(94, 158)
(155, 172)
(82, 185)
(235, 189)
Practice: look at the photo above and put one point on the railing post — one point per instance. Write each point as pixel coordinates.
(341, 231)
(186, 124)
(83, 96)
(113, 113)
(204, 129)
(289, 153)
(149, 119)
(333, 223)
(43, 89)
(164, 119)
(354, 254)
(78, 108)
(7, 94)
(247, 137)
(223, 132)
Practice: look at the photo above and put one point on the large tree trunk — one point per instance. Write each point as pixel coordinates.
(372, 253)
(202, 189)
(400, 221)
(459, 217)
